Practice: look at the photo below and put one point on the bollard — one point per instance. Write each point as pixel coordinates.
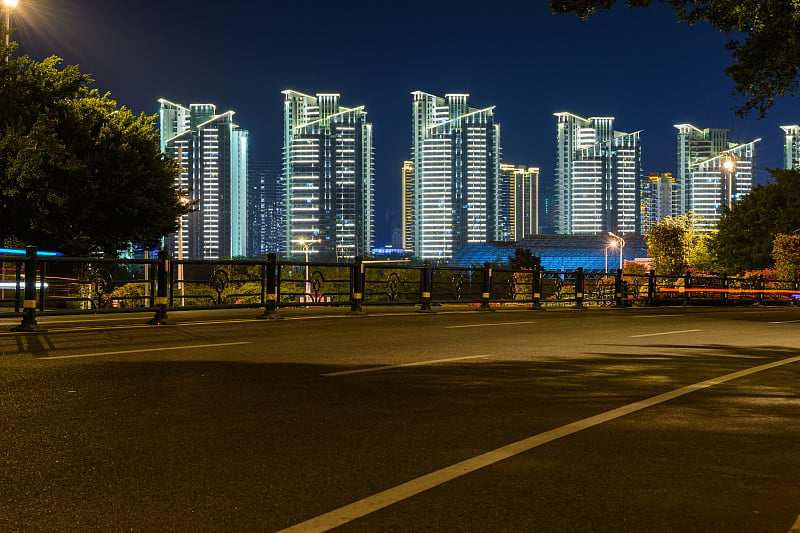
(760, 288)
(651, 288)
(29, 294)
(269, 287)
(618, 289)
(162, 289)
(426, 287)
(687, 289)
(357, 287)
(579, 284)
(487, 288)
(725, 285)
(536, 288)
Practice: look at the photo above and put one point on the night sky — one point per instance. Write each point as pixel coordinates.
(638, 66)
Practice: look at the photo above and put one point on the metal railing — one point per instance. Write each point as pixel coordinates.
(67, 285)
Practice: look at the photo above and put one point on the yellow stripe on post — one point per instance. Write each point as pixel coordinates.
(162, 301)
(272, 297)
(356, 296)
(426, 295)
(486, 295)
(29, 304)
(579, 295)
(537, 295)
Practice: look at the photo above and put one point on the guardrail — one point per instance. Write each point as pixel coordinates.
(73, 285)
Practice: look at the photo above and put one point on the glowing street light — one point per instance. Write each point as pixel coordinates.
(729, 166)
(612, 244)
(621, 242)
(8, 7)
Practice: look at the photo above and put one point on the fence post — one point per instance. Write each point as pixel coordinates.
(357, 287)
(687, 289)
(487, 288)
(579, 283)
(269, 287)
(760, 287)
(651, 288)
(725, 285)
(618, 289)
(426, 287)
(29, 294)
(537, 288)
(162, 289)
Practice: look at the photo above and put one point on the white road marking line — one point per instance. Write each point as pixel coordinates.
(796, 526)
(192, 347)
(665, 333)
(785, 322)
(383, 499)
(492, 324)
(418, 363)
(649, 316)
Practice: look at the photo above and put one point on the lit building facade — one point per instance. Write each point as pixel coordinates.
(212, 153)
(713, 173)
(519, 201)
(265, 208)
(455, 158)
(597, 177)
(791, 146)
(657, 196)
(408, 206)
(328, 171)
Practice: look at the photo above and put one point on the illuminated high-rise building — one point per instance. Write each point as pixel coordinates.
(455, 158)
(408, 206)
(519, 201)
(212, 153)
(328, 171)
(597, 177)
(713, 173)
(791, 146)
(265, 208)
(657, 196)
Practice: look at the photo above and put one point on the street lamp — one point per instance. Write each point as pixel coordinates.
(612, 244)
(184, 201)
(8, 6)
(306, 244)
(729, 165)
(621, 246)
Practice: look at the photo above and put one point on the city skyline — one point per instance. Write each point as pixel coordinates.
(537, 64)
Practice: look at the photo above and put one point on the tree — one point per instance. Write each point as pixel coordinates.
(786, 251)
(669, 244)
(523, 260)
(77, 173)
(746, 232)
(765, 64)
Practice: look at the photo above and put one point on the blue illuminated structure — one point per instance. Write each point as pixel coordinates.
(556, 252)
(16, 251)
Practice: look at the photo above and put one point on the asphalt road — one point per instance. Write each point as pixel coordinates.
(635, 420)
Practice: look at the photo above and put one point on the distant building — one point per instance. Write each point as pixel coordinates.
(791, 146)
(455, 160)
(713, 173)
(656, 199)
(597, 177)
(518, 201)
(408, 206)
(328, 172)
(265, 208)
(212, 153)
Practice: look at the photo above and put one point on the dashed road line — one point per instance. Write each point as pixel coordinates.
(664, 333)
(403, 365)
(164, 349)
(489, 324)
(381, 500)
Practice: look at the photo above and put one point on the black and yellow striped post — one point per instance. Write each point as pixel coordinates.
(618, 289)
(426, 287)
(725, 285)
(579, 285)
(487, 288)
(269, 287)
(536, 288)
(29, 293)
(162, 289)
(357, 287)
(687, 289)
(651, 288)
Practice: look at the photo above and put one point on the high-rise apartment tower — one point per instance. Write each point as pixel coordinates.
(519, 201)
(328, 171)
(791, 146)
(212, 153)
(597, 177)
(455, 158)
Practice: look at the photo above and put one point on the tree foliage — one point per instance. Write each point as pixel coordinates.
(786, 251)
(669, 244)
(765, 63)
(746, 233)
(77, 173)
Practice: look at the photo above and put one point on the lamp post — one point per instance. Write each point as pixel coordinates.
(612, 244)
(729, 166)
(306, 244)
(621, 246)
(8, 7)
(184, 201)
